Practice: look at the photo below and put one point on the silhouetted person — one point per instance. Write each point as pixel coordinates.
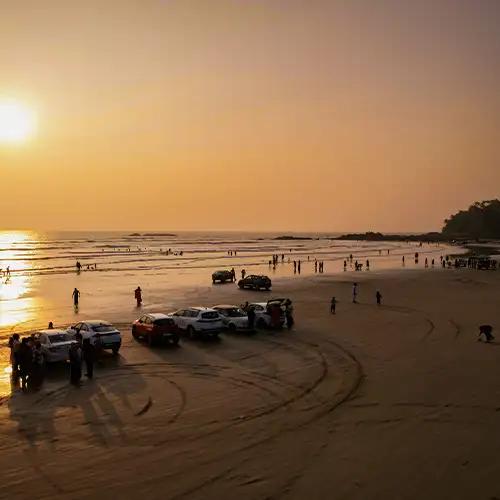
(243, 273)
(367, 265)
(51, 325)
(345, 265)
(138, 296)
(75, 360)
(251, 317)
(354, 292)
(289, 314)
(15, 345)
(233, 275)
(333, 305)
(298, 266)
(89, 355)
(25, 362)
(76, 297)
(426, 262)
(378, 296)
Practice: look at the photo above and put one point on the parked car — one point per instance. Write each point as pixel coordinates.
(110, 337)
(255, 282)
(198, 321)
(263, 318)
(155, 328)
(222, 276)
(233, 317)
(55, 344)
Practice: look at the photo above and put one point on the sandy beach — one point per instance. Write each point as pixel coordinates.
(397, 401)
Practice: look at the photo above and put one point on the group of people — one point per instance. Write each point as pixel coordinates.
(28, 363)
(275, 311)
(26, 359)
(319, 266)
(5, 273)
(81, 351)
(79, 266)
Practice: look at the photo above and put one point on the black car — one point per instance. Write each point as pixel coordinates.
(222, 276)
(255, 282)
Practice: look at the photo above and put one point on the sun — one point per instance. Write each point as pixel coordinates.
(17, 122)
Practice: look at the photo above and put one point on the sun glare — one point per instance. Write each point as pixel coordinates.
(17, 122)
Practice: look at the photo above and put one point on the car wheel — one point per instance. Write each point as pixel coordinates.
(115, 350)
(241, 286)
(261, 323)
(267, 289)
(175, 340)
(134, 333)
(151, 341)
(190, 332)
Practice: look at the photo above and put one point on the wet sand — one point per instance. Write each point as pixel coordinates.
(397, 401)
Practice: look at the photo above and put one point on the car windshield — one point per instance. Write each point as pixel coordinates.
(102, 328)
(59, 337)
(235, 313)
(210, 315)
(162, 322)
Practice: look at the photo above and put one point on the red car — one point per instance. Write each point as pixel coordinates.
(155, 328)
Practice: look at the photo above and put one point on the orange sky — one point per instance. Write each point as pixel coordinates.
(250, 114)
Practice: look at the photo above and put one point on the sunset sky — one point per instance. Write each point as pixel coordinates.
(306, 115)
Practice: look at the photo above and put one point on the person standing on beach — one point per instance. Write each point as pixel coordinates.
(298, 267)
(294, 266)
(14, 344)
(76, 297)
(403, 260)
(333, 305)
(233, 274)
(138, 296)
(426, 262)
(315, 266)
(289, 314)
(367, 265)
(251, 317)
(25, 362)
(243, 273)
(354, 293)
(378, 296)
(345, 265)
(89, 354)
(75, 360)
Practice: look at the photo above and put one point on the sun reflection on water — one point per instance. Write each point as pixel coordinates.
(15, 283)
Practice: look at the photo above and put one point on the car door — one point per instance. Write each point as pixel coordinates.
(179, 318)
(141, 325)
(148, 325)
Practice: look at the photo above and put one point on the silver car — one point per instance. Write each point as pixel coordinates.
(233, 317)
(55, 344)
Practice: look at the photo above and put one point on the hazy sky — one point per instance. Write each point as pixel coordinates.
(250, 114)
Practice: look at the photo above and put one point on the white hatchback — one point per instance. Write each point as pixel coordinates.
(55, 344)
(233, 317)
(109, 336)
(198, 321)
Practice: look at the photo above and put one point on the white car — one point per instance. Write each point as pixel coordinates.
(198, 321)
(109, 336)
(262, 316)
(55, 344)
(233, 317)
